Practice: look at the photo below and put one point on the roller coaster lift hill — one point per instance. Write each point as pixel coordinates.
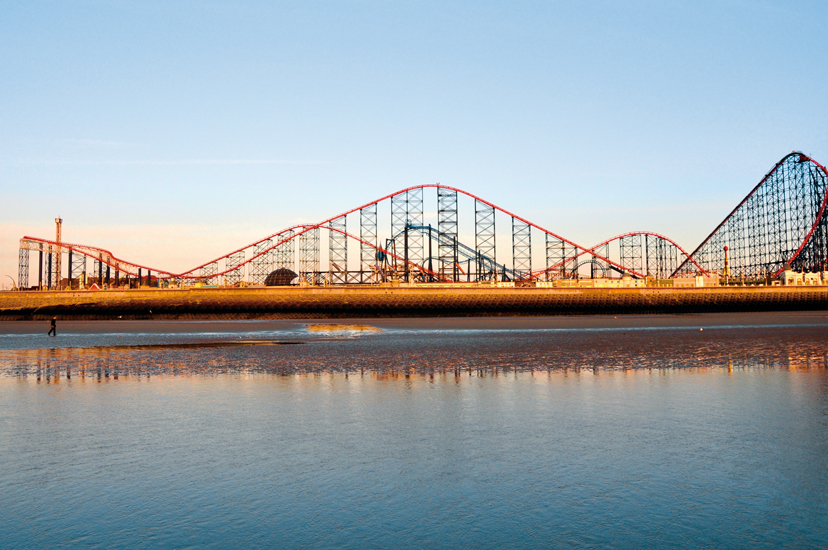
(781, 224)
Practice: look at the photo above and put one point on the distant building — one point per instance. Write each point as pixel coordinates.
(789, 277)
(697, 281)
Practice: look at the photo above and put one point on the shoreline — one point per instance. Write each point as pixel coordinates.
(582, 322)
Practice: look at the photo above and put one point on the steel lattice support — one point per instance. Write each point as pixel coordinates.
(309, 255)
(286, 252)
(632, 253)
(338, 251)
(662, 258)
(407, 211)
(367, 234)
(598, 267)
(557, 252)
(781, 220)
(23, 268)
(207, 273)
(447, 226)
(259, 268)
(521, 248)
(234, 263)
(50, 275)
(416, 240)
(484, 240)
(77, 267)
(55, 268)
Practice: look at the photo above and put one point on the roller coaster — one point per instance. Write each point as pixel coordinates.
(780, 223)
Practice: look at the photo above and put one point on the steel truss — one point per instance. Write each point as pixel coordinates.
(286, 252)
(662, 258)
(77, 270)
(597, 267)
(407, 209)
(557, 253)
(447, 226)
(369, 242)
(632, 252)
(466, 254)
(259, 268)
(309, 255)
(521, 248)
(484, 240)
(781, 221)
(234, 266)
(338, 251)
(207, 273)
(23, 268)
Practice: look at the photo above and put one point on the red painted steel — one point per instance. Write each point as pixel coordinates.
(126, 267)
(762, 182)
(324, 223)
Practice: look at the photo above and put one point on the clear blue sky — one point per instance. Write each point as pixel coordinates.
(171, 132)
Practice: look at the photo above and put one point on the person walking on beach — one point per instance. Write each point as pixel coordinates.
(52, 327)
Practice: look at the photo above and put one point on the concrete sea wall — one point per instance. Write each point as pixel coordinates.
(422, 301)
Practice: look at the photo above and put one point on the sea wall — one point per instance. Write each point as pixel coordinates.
(420, 301)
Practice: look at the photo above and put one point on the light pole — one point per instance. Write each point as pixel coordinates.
(14, 285)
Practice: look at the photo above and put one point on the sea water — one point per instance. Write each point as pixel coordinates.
(679, 432)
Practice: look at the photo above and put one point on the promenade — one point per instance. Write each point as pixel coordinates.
(416, 301)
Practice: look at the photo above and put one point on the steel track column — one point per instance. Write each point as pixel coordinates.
(407, 211)
(23, 268)
(309, 255)
(447, 226)
(234, 263)
(261, 267)
(338, 251)
(367, 234)
(286, 252)
(208, 272)
(77, 265)
(484, 241)
(416, 239)
(521, 248)
(399, 221)
(598, 263)
(556, 255)
(631, 251)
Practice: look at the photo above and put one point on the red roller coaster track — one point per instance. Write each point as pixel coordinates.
(757, 217)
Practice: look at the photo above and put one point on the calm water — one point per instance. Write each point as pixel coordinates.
(589, 433)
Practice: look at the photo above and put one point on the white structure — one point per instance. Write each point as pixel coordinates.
(789, 277)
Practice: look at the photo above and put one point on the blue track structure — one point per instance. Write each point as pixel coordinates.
(467, 257)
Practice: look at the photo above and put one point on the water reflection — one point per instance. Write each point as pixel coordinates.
(574, 439)
(470, 353)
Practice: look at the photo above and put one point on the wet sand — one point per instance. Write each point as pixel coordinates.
(443, 323)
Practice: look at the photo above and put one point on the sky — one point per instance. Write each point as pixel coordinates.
(172, 132)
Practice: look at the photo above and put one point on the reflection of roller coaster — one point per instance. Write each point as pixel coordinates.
(782, 221)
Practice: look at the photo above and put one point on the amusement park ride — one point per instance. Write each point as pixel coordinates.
(780, 223)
